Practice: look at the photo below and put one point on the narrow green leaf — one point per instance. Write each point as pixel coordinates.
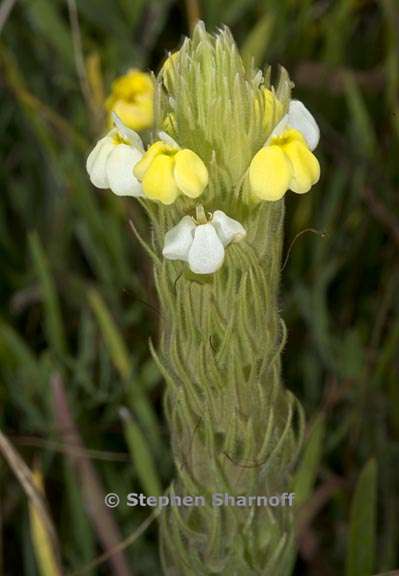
(14, 350)
(81, 531)
(133, 10)
(257, 41)
(47, 22)
(360, 559)
(121, 359)
(53, 320)
(363, 130)
(116, 346)
(141, 455)
(386, 357)
(307, 472)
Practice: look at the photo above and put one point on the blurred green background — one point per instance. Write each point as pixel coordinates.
(80, 397)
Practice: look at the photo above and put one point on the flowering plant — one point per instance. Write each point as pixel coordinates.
(226, 147)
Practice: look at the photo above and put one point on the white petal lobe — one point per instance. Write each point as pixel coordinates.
(178, 240)
(167, 139)
(228, 229)
(302, 120)
(93, 155)
(206, 254)
(119, 169)
(97, 162)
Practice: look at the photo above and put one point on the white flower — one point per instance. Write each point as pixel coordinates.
(111, 162)
(202, 244)
(299, 118)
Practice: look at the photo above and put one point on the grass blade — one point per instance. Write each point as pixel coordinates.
(141, 455)
(45, 556)
(307, 472)
(116, 346)
(362, 532)
(53, 319)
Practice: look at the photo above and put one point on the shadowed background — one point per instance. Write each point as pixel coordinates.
(80, 397)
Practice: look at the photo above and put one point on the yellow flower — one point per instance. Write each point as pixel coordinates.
(285, 162)
(166, 171)
(132, 99)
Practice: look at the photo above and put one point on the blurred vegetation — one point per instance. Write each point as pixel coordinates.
(80, 397)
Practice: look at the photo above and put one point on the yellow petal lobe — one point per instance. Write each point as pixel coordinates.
(305, 167)
(158, 182)
(153, 151)
(190, 173)
(270, 173)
